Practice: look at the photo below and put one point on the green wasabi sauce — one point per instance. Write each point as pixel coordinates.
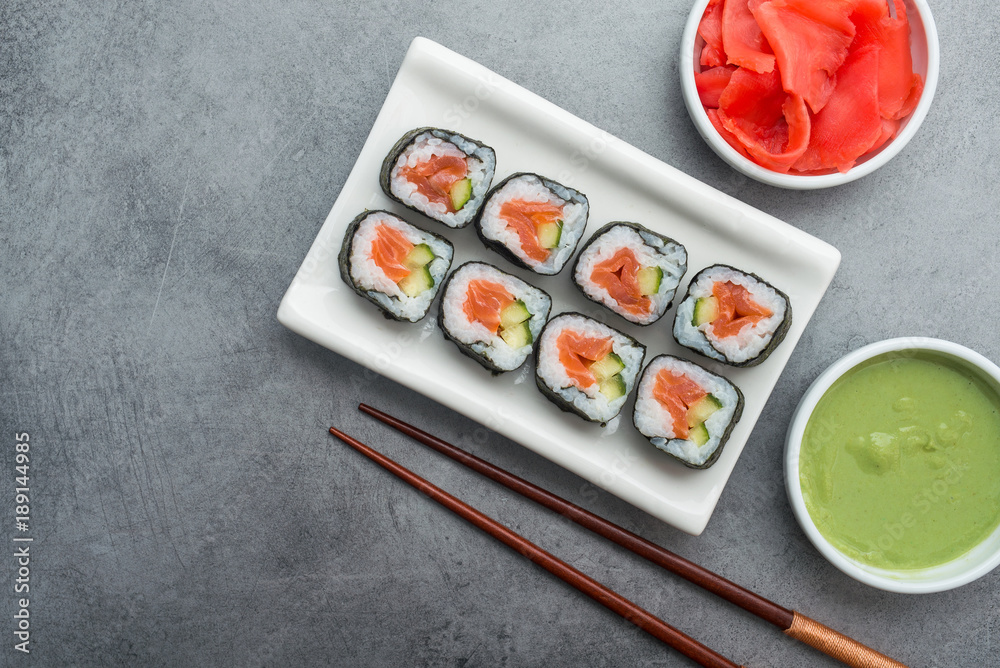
(900, 461)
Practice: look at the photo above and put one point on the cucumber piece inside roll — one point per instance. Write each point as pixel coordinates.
(420, 256)
(706, 310)
(607, 372)
(514, 329)
(614, 387)
(418, 281)
(514, 314)
(607, 367)
(517, 336)
(549, 234)
(460, 193)
(699, 435)
(649, 280)
(700, 410)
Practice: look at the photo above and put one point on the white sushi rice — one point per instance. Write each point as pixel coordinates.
(530, 188)
(650, 250)
(474, 334)
(587, 400)
(751, 341)
(367, 275)
(426, 146)
(654, 421)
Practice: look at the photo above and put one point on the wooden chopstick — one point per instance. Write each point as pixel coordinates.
(688, 570)
(794, 624)
(645, 620)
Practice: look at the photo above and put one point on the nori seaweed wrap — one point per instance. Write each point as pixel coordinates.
(393, 264)
(686, 410)
(533, 222)
(492, 316)
(585, 367)
(442, 174)
(630, 270)
(732, 316)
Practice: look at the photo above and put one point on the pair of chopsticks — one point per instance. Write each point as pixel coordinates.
(794, 624)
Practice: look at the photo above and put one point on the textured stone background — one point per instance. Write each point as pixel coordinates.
(164, 167)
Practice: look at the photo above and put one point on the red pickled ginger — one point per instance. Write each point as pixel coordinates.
(772, 125)
(742, 39)
(811, 85)
(810, 39)
(850, 123)
(710, 84)
(710, 29)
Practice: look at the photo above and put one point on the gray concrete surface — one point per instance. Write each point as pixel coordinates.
(164, 167)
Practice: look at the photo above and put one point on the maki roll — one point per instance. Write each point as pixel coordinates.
(491, 316)
(439, 173)
(534, 222)
(731, 316)
(586, 367)
(394, 265)
(631, 270)
(686, 410)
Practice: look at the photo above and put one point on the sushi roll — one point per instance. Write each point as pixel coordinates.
(394, 265)
(439, 173)
(686, 410)
(533, 222)
(586, 367)
(631, 270)
(731, 316)
(491, 316)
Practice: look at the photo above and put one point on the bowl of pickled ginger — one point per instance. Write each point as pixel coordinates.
(802, 94)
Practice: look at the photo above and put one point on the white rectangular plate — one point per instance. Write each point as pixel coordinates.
(437, 87)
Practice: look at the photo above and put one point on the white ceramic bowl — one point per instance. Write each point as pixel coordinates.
(974, 564)
(926, 62)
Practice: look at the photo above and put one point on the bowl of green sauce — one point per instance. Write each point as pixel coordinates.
(892, 465)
